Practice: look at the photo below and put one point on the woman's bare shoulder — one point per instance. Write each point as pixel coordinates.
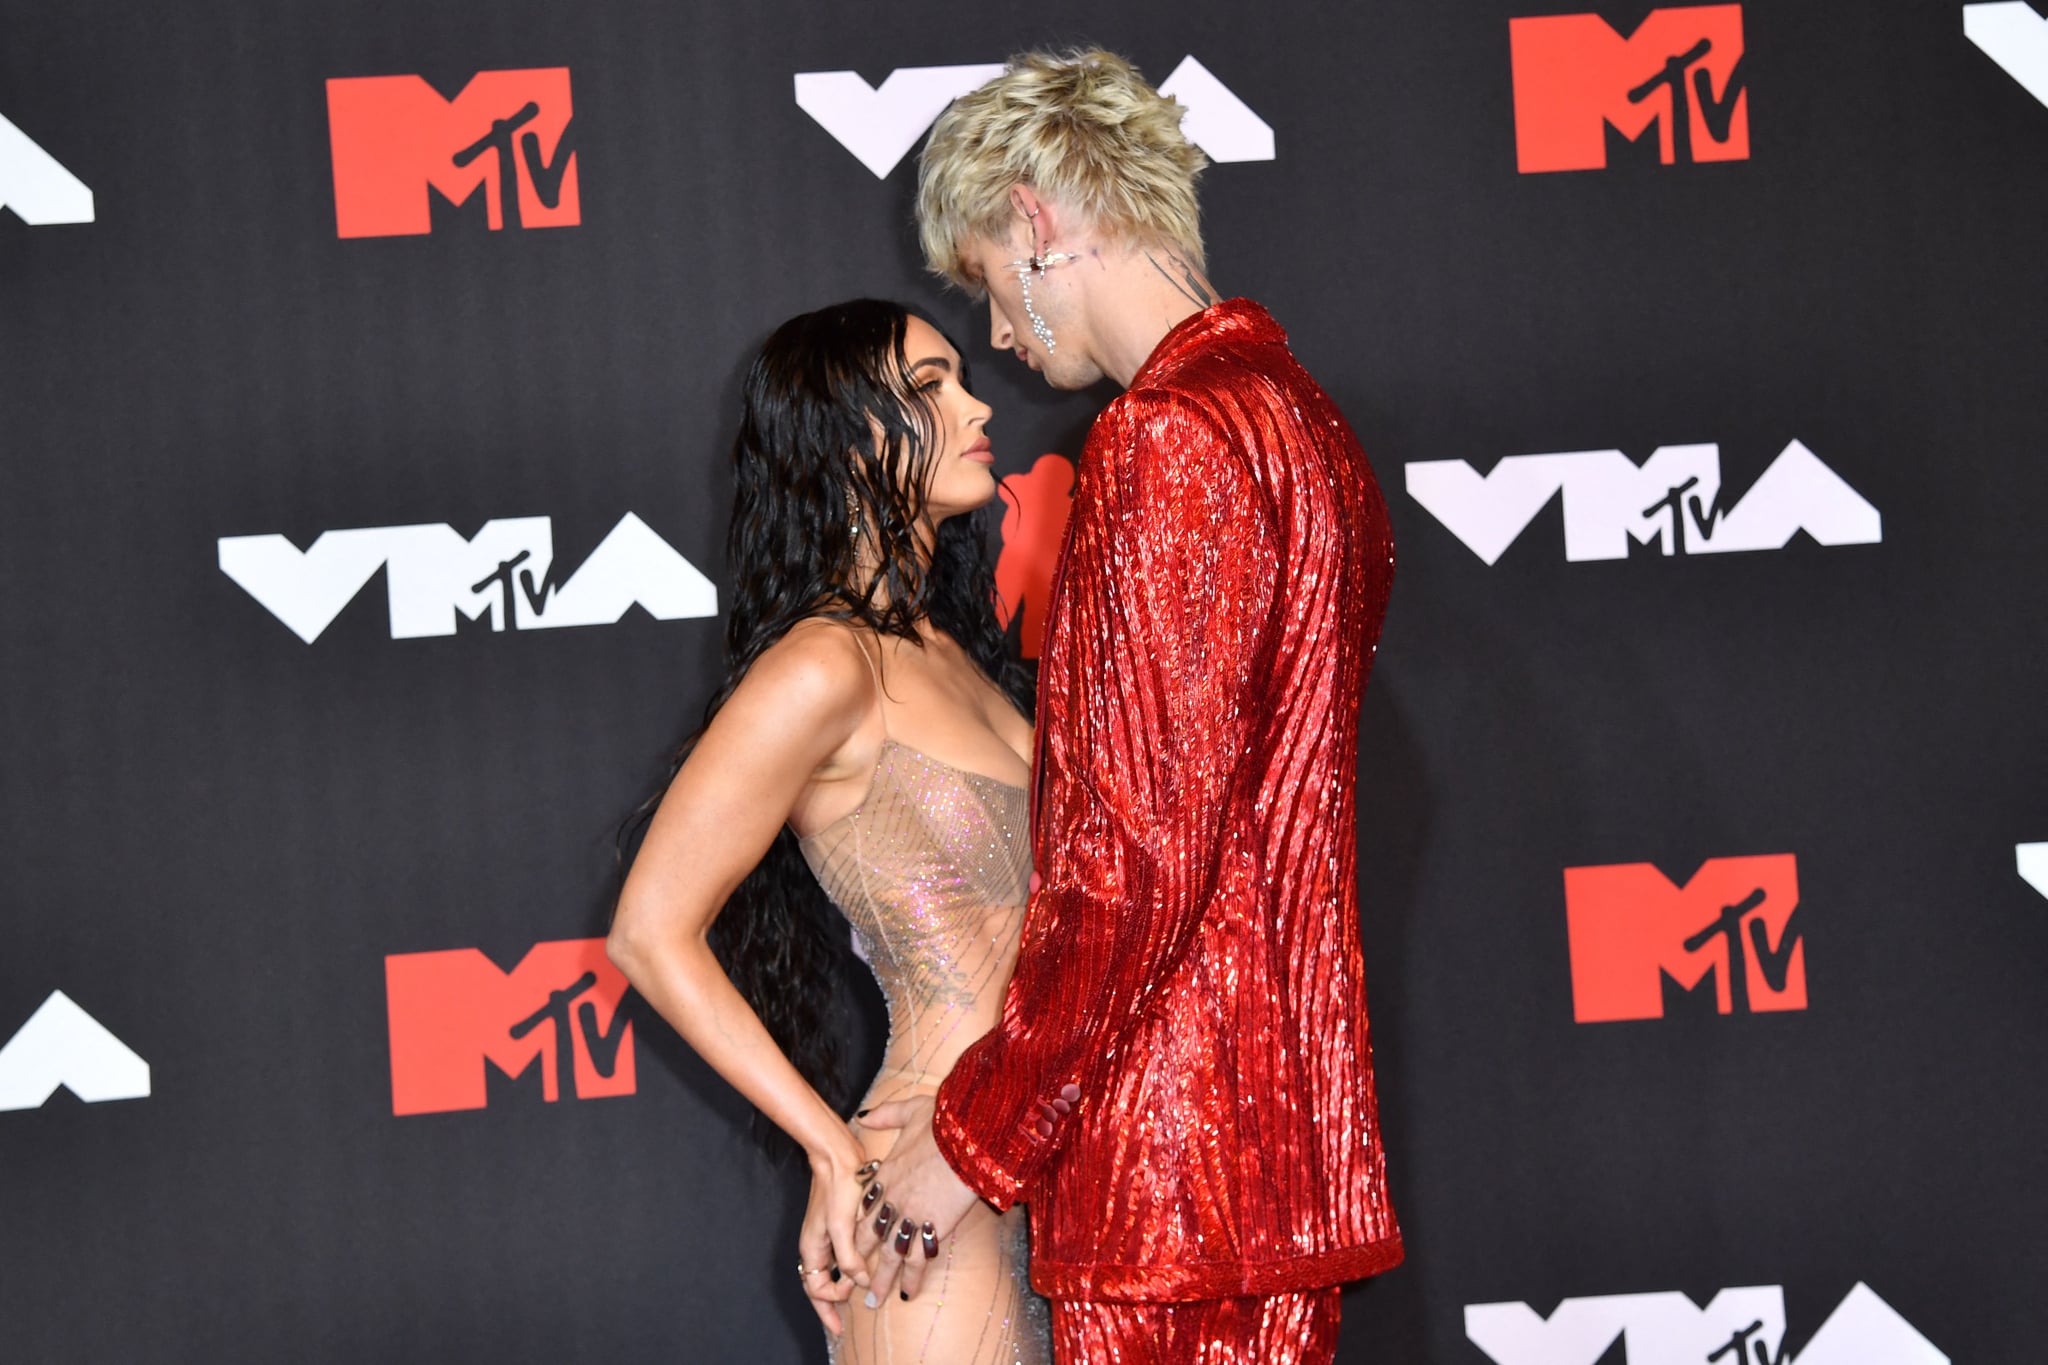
(817, 674)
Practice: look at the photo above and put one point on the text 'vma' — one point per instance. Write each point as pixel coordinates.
(63, 1047)
(35, 185)
(1743, 1326)
(879, 124)
(506, 572)
(1672, 500)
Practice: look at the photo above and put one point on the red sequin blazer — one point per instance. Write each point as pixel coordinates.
(1181, 1082)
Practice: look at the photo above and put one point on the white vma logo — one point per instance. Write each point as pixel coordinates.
(2015, 37)
(2033, 863)
(1672, 498)
(431, 573)
(880, 123)
(63, 1045)
(35, 186)
(1740, 1327)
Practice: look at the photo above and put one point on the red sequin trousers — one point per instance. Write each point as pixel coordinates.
(1285, 1329)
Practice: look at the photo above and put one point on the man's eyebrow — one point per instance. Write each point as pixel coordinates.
(937, 360)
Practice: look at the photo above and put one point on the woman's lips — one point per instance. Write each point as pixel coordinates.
(980, 452)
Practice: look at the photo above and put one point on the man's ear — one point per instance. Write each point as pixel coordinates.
(1036, 216)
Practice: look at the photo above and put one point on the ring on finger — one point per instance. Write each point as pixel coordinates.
(867, 1172)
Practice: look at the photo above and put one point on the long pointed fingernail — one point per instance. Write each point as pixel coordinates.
(871, 1300)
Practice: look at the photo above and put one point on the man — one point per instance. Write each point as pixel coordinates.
(1181, 1082)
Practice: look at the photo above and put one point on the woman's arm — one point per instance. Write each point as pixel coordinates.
(784, 728)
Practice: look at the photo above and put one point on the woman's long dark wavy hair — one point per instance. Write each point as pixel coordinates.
(807, 466)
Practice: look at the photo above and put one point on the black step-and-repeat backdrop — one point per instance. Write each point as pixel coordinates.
(367, 378)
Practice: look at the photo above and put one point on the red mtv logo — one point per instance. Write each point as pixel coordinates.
(452, 1012)
(394, 138)
(1630, 928)
(1574, 76)
(1035, 508)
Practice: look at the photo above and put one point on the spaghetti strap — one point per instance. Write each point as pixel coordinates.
(874, 671)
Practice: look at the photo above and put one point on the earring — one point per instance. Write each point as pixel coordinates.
(1036, 266)
(852, 515)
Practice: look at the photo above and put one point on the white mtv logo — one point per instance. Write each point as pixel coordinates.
(431, 573)
(1740, 1327)
(35, 185)
(1672, 498)
(880, 123)
(63, 1045)
(2015, 37)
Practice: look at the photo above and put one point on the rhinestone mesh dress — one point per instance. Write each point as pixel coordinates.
(932, 870)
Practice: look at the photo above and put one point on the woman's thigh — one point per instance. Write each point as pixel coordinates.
(975, 1307)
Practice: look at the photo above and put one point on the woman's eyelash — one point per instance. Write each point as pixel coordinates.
(931, 385)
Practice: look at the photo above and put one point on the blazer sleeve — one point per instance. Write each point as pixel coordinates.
(1166, 599)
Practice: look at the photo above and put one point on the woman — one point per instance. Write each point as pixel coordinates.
(861, 730)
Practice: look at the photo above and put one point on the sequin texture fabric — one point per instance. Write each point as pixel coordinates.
(1280, 1329)
(931, 870)
(1181, 1082)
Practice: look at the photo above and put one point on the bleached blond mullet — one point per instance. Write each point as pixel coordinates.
(1081, 128)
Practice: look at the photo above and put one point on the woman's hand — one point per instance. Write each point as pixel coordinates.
(826, 1242)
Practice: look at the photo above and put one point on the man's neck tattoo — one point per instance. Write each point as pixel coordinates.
(1189, 285)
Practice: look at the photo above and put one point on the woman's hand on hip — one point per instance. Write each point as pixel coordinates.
(826, 1249)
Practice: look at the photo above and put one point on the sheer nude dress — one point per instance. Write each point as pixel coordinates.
(932, 870)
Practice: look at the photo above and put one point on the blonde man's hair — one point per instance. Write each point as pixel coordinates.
(1081, 128)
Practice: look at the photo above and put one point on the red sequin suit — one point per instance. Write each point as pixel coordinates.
(1181, 1082)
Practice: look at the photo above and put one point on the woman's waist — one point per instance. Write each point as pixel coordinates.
(908, 1070)
(893, 1083)
(917, 934)
(943, 999)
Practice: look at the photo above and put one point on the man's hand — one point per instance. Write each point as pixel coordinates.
(921, 1195)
